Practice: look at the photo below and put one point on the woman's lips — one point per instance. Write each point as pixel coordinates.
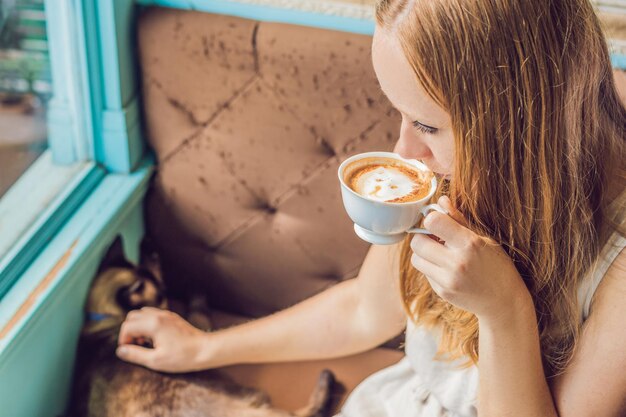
(437, 173)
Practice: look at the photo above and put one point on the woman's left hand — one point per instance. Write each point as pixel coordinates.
(469, 271)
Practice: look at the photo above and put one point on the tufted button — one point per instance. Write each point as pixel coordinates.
(267, 207)
(325, 145)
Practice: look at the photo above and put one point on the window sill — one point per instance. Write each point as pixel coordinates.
(34, 209)
(41, 316)
(112, 194)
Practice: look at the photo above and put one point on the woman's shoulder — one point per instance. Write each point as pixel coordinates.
(617, 206)
(597, 364)
(611, 291)
(609, 268)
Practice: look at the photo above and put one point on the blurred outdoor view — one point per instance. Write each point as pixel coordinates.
(25, 87)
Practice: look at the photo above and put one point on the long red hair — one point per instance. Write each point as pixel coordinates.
(539, 139)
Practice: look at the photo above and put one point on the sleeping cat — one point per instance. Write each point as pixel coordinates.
(105, 386)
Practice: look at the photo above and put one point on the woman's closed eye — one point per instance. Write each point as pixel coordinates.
(424, 128)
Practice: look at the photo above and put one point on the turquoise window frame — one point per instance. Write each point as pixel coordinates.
(109, 131)
(41, 315)
(65, 174)
(346, 18)
(93, 126)
(89, 186)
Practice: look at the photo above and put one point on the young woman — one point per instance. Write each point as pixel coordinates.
(517, 308)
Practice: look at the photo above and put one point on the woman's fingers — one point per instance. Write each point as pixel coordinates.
(425, 267)
(447, 229)
(451, 227)
(136, 354)
(430, 250)
(432, 272)
(139, 325)
(445, 203)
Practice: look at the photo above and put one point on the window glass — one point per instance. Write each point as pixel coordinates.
(25, 87)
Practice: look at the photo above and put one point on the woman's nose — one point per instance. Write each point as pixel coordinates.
(410, 145)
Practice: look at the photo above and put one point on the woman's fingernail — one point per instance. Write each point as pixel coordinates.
(121, 351)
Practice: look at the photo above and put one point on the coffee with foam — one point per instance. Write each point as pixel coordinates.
(388, 180)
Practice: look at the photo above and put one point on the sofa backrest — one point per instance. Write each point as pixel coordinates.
(249, 121)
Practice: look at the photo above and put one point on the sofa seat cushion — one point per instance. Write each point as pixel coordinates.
(289, 384)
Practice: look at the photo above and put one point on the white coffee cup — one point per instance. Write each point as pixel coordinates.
(380, 222)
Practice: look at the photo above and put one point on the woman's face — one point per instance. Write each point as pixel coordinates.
(425, 133)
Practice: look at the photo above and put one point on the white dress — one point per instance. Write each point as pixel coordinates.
(420, 386)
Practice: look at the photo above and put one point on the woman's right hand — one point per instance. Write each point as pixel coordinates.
(177, 346)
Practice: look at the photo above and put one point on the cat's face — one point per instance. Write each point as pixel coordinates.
(118, 290)
(120, 287)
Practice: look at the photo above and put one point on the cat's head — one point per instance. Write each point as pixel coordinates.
(120, 286)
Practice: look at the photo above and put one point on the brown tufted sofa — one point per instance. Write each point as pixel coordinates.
(249, 122)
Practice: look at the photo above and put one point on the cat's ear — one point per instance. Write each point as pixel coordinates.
(149, 259)
(114, 257)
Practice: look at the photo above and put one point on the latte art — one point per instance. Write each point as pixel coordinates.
(387, 179)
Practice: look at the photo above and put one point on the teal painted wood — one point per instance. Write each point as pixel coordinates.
(116, 26)
(30, 197)
(94, 113)
(122, 143)
(119, 143)
(69, 136)
(52, 218)
(90, 51)
(37, 354)
(70, 133)
(271, 14)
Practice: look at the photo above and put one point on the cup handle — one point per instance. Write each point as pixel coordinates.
(424, 211)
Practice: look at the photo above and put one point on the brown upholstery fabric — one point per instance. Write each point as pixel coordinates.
(249, 121)
(290, 384)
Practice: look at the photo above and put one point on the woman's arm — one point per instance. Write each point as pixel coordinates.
(593, 384)
(350, 317)
(475, 274)
(512, 381)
